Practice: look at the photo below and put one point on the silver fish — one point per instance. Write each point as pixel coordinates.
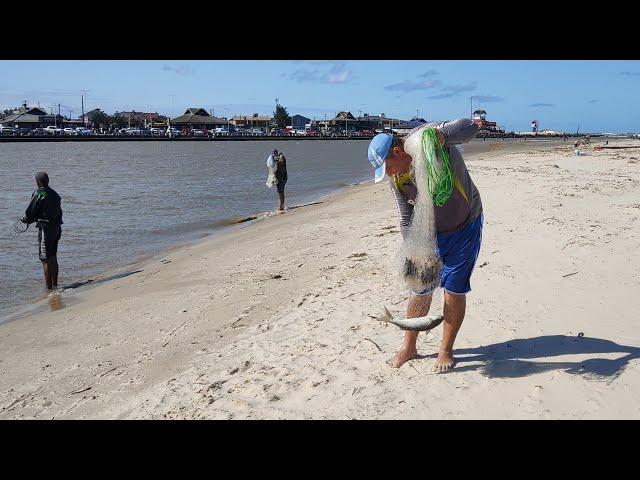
(418, 324)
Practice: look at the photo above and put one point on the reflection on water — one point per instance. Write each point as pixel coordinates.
(55, 302)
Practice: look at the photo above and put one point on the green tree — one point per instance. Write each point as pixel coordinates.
(281, 116)
(100, 119)
(118, 122)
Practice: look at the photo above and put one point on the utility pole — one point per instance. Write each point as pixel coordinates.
(171, 96)
(84, 94)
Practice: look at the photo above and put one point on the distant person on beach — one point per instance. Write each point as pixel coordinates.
(278, 163)
(45, 210)
(458, 224)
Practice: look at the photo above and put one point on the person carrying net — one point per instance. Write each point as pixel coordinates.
(456, 212)
(277, 165)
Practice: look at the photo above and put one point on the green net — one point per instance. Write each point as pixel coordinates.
(439, 177)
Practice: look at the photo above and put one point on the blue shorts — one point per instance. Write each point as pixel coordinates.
(459, 252)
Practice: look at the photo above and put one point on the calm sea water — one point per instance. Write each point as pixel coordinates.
(125, 200)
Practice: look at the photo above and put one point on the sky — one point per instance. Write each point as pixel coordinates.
(596, 96)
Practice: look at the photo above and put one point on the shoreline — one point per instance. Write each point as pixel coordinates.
(277, 319)
(264, 138)
(42, 303)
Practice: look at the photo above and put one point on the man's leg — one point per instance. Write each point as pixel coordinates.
(281, 195)
(454, 309)
(53, 265)
(47, 274)
(418, 307)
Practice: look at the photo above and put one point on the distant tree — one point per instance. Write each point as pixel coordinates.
(281, 116)
(118, 121)
(100, 119)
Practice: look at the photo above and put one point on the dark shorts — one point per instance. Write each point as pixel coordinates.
(280, 186)
(48, 238)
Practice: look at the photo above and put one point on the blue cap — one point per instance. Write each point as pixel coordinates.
(379, 149)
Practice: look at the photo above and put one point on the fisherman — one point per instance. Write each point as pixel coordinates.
(458, 225)
(279, 162)
(45, 210)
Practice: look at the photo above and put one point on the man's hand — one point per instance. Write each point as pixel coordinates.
(441, 136)
(24, 220)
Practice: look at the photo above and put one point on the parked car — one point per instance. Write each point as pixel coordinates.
(197, 133)
(69, 131)
(83, 131)
(6, 130)
(156, 131)
(174, 132)
(53, 130)
(37, 131)
(220, 131)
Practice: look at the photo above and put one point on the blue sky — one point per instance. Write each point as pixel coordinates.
(597, 95)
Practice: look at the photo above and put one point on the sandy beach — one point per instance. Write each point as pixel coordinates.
(276, 319)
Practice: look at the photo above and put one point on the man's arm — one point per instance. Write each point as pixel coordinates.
(32, 211)
(405, 209)
(457, 131)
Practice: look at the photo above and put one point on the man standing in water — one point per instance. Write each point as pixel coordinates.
(458, 225)
(45, 210)
(279, 162)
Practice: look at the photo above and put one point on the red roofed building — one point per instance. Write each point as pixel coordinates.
(479, 118)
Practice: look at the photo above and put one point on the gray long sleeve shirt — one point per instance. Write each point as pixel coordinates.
(457, 212)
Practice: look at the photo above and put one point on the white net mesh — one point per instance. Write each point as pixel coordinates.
(420, 265)
(271, 178)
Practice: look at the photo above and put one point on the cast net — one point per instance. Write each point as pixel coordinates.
(420, 263)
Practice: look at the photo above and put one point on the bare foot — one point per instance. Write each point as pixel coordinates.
(444, 362)
(402, 356)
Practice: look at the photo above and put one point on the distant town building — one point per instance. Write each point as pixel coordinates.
(378, 122)
(30, 118)
(198, 118)
(298, 122)
(344, 120)
(263, 122)
(405, 127)
(479, 118)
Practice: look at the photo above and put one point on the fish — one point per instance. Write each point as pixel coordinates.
(418, 324)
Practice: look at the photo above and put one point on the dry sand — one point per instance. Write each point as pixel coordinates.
(275, 319)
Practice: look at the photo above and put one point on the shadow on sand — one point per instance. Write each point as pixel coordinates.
(515, 358)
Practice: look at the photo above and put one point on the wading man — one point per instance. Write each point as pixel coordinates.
(45, 210)
(458, 225)
(278, 162)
